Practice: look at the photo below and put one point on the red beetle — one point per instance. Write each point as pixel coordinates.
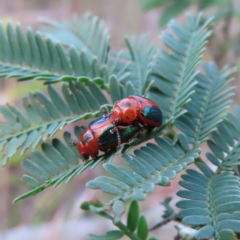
(99, 136)
(136, 109)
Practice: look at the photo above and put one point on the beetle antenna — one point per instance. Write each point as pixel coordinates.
(104, 110)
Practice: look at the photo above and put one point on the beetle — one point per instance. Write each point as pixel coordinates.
(99, 136)
(136, 110)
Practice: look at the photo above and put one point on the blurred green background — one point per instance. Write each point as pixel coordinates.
(55, 213)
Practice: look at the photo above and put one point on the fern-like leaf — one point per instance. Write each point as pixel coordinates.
(86, 34)
(225, 145)
(213, 202)
(46, 116)
(149, 166)
(174, 72)
(33, 56)
(57, 162)
(166, 161)
(142, 61)
(209, 103)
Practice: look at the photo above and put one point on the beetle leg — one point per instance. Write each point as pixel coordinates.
(136, 134)
(119, 139)
(138, 124)
(94, 156)
(119, 127)
(113, 130)
(118, 135)
(116, 121)
(74, 142)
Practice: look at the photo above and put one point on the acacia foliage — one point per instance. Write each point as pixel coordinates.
(89, 73)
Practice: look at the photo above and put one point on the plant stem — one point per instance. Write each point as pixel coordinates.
(126, 231)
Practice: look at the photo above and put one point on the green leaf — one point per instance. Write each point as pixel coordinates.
(118, 209)
(37, 171)
(122, 173)
(230, 224)
(225, 144)
(193, 211)
(137, 166)
(228, 207)
(205, 232)
(130, 90)
(143, 176)
(106, 187)
(197, 220)
(88, 34)
(133, 215)
(33, 168)
(142, 230)
(221, 194)
(32, 182)
(96, 91)
(115, 90)
(207, 107)
(117, 183)
(174, 71)
(41, 57)
(227, 234)
(193, 186)
(142, 56)
(191, 195)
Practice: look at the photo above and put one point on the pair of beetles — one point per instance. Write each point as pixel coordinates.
(128, 118)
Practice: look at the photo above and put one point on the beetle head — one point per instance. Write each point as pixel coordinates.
(82, 150)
